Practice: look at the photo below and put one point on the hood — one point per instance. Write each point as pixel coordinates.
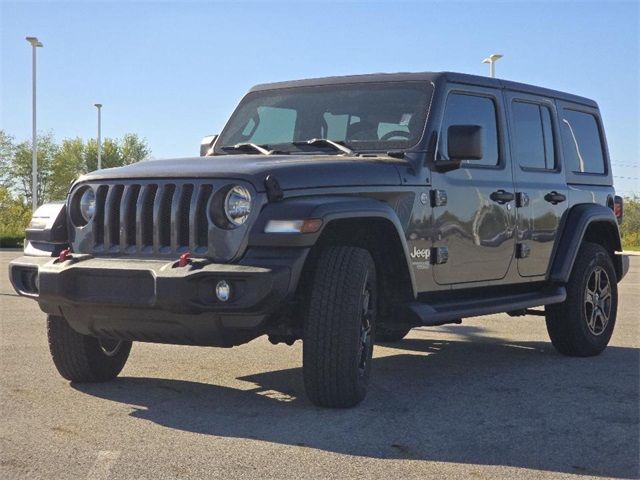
(291, 171)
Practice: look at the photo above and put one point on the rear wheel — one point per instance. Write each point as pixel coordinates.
(81, 358)
(582, 325)
(339, 327)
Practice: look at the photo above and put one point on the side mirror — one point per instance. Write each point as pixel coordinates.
(464, 142)
(206, 145)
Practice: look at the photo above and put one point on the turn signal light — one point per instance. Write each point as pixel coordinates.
(310, 225)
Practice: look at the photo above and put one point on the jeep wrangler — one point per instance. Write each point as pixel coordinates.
(342, 212)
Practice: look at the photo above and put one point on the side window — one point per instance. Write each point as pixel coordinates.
(581, 142)
(533, 136)
(462, 109)
(275, 125)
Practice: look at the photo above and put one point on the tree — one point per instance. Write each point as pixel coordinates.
(16, 171)
(59, 166)
(68, 163)
(110, 154)
(14, 215)
(115, 152)
(7, 151)
(133, 149)
(75, 158)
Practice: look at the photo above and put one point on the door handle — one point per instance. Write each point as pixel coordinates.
(502, 196)
(555, 197)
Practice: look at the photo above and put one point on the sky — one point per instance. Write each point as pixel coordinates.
(173, 71)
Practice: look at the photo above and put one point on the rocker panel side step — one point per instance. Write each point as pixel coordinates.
(451, 312)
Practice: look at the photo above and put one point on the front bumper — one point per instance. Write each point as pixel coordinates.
(158, 301)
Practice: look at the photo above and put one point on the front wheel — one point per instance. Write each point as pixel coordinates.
(84, 359)
(582, 325)
(339, 327)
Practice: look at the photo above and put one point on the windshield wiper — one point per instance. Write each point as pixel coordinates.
(325, 141)
(248, 147)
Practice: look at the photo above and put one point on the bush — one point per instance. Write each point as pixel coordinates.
(630, 227)
(12, 242)
(15, 214)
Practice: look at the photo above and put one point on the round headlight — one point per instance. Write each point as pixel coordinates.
(237, 205)
(88, 204)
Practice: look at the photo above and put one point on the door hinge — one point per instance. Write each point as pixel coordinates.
(522, 250)
(438, 198)
(522, 199)
(439, 255)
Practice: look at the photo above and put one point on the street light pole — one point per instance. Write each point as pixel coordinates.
(34, 145)
(491, 60)
(99, 107)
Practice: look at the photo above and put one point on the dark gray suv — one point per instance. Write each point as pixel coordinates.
(340, 211)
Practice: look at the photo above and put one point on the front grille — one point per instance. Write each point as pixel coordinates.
(151, 218)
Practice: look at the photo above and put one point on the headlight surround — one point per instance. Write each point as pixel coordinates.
(237, 205)
(87, 204)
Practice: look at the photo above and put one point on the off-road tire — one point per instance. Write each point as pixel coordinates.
(567, 323)
(336, 350)
(81, 358)
(387, 335)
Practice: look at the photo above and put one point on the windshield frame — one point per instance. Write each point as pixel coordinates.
(429, 91)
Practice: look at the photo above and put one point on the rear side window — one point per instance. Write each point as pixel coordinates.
(462, 109)
(581, 142)
(533, 136)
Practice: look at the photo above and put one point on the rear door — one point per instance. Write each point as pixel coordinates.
(541, 191)
(473, 212)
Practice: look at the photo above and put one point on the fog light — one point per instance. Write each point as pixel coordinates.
(30, 281)
(223, 291)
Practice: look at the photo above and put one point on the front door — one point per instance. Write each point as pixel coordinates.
(540, 183)
(474, 226)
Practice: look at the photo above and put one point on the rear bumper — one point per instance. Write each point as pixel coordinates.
(158, 301)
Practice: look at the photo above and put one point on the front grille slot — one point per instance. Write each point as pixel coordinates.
(128, 218)
(112, 218)
(199, 226)
(180, 218)
(152, 218)
(162, 218)
(144, 218)
(98, 229)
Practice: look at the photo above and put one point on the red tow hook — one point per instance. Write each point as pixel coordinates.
(64, 255)
(185, 259)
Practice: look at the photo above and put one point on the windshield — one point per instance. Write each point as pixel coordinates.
(365, 117)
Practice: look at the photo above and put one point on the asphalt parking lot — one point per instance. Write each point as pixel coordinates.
(487, 399)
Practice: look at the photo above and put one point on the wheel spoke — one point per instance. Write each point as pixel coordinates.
(592, 319)
(588, 298)
(601, 320)
(597, 300)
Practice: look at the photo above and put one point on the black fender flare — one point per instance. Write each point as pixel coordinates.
(577, 221)
(327, 208)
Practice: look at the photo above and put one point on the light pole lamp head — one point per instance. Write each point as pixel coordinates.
(493, 57)
(34, 42)
(98, 105)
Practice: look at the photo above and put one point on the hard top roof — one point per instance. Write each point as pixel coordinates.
(430, 77)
